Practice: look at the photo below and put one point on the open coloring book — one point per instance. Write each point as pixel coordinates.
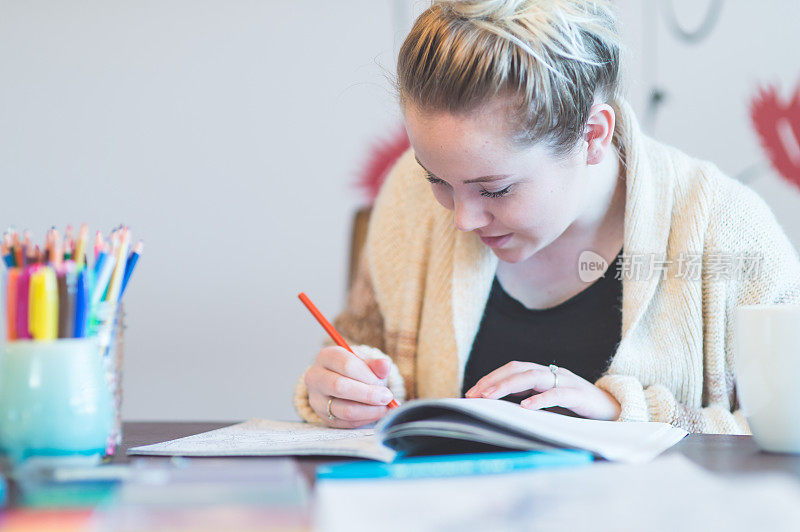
(433, 426)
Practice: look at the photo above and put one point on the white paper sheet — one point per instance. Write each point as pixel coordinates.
(670, 493)
(261, 437)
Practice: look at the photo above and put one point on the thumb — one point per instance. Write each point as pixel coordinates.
(380, 367)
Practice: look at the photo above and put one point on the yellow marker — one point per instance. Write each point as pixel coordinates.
(115, 285)
(43, 305)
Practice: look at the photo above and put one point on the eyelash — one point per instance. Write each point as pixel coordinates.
(485, 193)
(497, 194)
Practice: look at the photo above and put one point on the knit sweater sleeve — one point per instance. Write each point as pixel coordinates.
(742, 227)
(657, 403)
(361, 324)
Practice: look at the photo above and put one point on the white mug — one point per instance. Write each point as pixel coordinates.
(767, 358)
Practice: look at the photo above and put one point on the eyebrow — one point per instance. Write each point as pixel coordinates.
(484, 179)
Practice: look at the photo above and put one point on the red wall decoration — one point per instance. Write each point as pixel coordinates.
(777, 122)
(380, 160)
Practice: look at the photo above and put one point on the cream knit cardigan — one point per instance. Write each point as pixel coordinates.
(421, 291)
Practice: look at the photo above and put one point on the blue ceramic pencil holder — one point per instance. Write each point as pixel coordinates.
(54, 398)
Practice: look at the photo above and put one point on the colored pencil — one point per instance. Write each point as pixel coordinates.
(130, 265)
(23, 288)
(17, 247)
(99, 244)
(43, 309)
(56, 256)
(102, 277)
(49, 295)
(69, 243)
(82, 303)
(80, 247)
(8, 256)
(115, 284)
(331, 330)
(11, 303)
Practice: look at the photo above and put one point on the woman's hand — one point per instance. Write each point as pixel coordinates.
(573, 393)
(357, 388)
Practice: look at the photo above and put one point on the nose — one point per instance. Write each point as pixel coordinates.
(468, 217)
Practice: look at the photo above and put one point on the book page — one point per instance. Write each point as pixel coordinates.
(261, 437)
(626, 442)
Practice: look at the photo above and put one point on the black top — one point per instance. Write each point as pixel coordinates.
(580, 334)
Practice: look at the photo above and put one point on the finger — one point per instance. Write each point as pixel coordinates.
(380, 367)
(354, 412)
(347, 414)
(345, 363)
(499, 374)
(332, 384)
(552, 397)
(536, 379)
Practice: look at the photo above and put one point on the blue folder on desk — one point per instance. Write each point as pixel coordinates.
(456, 465)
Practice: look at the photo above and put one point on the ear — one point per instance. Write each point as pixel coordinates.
(599, 132)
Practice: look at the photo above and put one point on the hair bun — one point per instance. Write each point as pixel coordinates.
(490, 10)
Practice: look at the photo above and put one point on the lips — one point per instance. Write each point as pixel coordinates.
(496, 241)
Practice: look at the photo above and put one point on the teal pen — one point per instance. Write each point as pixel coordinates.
(456, 465)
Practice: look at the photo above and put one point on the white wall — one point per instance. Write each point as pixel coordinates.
(709, 85)
(227, 134)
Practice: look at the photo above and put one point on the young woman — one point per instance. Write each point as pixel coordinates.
(528, 169)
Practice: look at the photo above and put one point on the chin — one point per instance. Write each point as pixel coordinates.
(518, 253)
(511, 256)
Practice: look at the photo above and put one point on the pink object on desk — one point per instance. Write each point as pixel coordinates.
(23, 286)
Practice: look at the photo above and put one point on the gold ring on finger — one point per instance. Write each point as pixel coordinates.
(331, 417)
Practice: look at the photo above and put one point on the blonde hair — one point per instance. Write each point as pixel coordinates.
(553, 57)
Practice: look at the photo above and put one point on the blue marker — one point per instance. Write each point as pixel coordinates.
(82, 303)
(457, 465)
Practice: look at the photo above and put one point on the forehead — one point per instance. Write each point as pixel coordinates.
(482, 131)
(488, 124)
(460, 145)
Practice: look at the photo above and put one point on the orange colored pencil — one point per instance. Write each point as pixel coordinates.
(332, 332)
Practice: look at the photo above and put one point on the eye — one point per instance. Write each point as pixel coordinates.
(435, 180)
(496, 194)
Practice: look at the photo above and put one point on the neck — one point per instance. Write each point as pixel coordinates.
(605, 203)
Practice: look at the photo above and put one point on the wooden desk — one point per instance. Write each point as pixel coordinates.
(725, 455)
(719, 453)
(137, 433)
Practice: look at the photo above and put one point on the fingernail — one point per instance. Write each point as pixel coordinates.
(385, 397)
(489, 391)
